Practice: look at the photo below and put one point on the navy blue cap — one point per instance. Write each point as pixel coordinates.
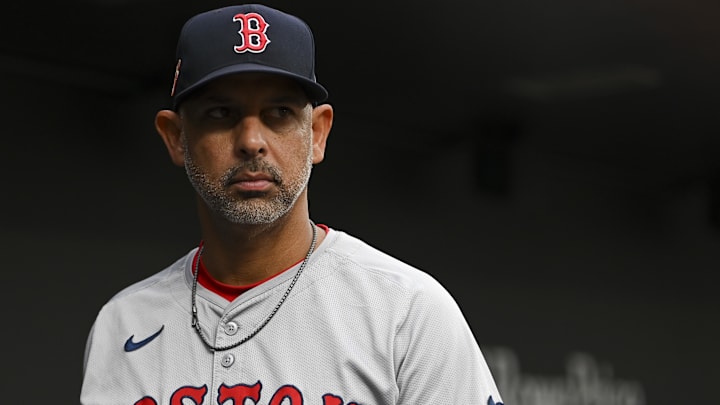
(245, 38)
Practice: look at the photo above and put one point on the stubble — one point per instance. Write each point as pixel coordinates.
(249, 208)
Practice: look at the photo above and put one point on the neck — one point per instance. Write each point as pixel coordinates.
(239, 254)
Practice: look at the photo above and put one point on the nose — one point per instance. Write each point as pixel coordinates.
(249, 138)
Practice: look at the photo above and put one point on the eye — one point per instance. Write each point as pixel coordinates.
(281, 118)
(280, 112)
(218, 112)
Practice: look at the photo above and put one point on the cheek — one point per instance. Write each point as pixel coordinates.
(212, 156)
(302, 150)
(293, 158)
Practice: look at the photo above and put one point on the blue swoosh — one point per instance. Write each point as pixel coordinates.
(132, 346)
(492, 402)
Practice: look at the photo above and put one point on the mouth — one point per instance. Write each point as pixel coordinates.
(248, 182)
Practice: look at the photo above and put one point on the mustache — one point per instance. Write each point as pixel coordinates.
(255, 166)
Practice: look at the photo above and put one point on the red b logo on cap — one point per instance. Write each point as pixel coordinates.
(252, 32)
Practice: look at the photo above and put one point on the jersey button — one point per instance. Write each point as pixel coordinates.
(231, 328)
(228, 360)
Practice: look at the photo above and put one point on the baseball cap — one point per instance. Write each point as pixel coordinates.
(244, 38)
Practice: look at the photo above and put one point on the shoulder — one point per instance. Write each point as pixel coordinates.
(369, 266)
(149, 291)
(353, 250)
(433, 345)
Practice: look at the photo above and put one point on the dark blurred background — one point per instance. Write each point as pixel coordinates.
(554, 164)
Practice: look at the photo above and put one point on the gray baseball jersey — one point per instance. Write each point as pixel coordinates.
(359, 327)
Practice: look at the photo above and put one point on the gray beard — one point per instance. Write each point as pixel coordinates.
(249, 211)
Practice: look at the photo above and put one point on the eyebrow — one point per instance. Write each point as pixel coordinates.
(298, 100)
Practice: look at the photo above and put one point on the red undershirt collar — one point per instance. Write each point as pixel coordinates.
(228, 291)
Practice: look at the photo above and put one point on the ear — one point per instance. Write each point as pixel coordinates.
(322, 117)
(168, 125)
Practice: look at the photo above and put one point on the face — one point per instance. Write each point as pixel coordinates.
(248, 144)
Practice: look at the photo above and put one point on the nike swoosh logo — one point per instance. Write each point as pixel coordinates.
(132, 346)
(492, 402)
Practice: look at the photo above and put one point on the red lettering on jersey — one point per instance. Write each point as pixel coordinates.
(252, 32)
(239, 393)
(289, 392)
(197, 394)
(330, 399)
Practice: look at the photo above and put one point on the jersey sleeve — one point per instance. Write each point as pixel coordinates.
(438, 359)
(88, 344)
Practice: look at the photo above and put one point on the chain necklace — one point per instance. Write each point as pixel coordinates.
(196, 322)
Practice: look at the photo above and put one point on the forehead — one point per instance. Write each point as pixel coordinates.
(250, 87)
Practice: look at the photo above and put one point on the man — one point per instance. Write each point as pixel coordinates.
(271, 307)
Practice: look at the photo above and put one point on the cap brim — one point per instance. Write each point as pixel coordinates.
(315, 91)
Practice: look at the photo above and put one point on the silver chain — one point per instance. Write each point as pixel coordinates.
(196, 322)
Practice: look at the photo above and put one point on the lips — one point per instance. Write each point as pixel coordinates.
(251, 181)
